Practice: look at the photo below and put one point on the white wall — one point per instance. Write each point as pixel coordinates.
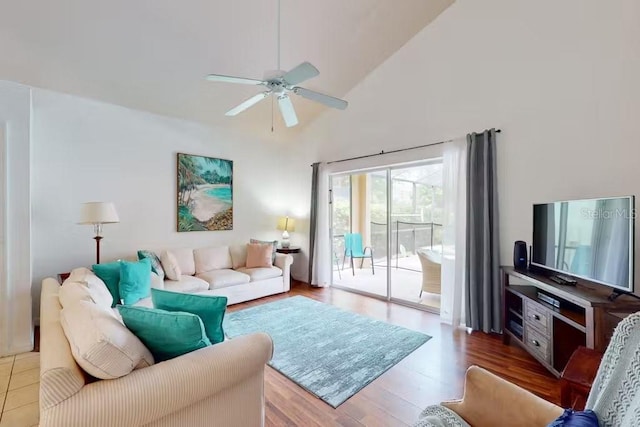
(16, 334)
(85, 150)
(559, 78)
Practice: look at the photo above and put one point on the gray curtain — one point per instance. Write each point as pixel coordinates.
(484, 295)
(313, 220)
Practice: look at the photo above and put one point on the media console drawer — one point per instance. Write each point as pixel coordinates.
(538, 317)
(537, 343)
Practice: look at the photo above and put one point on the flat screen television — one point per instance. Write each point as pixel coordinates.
(591, 239)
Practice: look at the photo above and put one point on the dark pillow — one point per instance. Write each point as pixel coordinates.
(571, 418)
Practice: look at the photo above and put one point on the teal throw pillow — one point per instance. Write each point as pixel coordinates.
(209, 308)
(156, 265)
(110, 275)
(274, 243)
(167, 334)
(135, 280)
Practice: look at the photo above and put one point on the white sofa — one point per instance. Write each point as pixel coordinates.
(222, 271)
(220, 385)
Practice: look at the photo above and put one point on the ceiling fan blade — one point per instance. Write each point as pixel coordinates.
(248, 103)
(302, 72)
(288, 113)
(231, 79)
(327, 100)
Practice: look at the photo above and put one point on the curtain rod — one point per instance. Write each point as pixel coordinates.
(381, 153)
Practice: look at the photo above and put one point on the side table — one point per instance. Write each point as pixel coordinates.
(290, 250)
(577, 377)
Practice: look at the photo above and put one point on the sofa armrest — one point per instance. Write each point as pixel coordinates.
(489, 400)
(154, 392)
(283, 262)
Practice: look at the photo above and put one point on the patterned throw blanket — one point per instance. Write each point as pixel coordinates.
(615, 394)
(439, 416)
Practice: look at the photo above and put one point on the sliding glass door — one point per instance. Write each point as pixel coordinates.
(416, 230)
(386, 233)
(359, 234)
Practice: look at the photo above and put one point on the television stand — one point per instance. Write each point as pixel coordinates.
(584, 316)
(616, 293)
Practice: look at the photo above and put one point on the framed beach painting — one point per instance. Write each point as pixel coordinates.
(205, 193)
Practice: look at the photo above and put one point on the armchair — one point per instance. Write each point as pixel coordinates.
(491, 401)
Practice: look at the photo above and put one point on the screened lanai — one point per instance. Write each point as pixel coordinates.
(398, 214)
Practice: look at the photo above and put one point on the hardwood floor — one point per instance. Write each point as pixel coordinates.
(429, 375)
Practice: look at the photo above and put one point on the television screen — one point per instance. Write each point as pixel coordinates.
(591, 239)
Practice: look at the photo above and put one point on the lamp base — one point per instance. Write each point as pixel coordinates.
(285, 244)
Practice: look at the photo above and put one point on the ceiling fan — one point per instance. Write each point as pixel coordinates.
(281, 84)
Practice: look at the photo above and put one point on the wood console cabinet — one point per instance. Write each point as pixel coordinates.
(586, 317)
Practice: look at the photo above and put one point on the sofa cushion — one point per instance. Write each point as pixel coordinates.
(184, 256)
(210, 309)
(238, 256)
(83, 285)
(135, 280)
(167, 334)
(156, 264)
(186, 284)
(257, 274)
(224, 277)
(170, 265)
(259, 255)
(212, 258)
(110, 275)
(274, 247)
(100, 344)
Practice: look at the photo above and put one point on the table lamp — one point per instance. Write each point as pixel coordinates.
(98, 213)
(286, 224)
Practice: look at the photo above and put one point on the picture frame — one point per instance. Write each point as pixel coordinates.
(204, 193)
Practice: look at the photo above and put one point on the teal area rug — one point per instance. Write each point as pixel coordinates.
(330, 352)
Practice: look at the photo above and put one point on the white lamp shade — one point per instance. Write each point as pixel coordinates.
(98, 213)
(286, 224)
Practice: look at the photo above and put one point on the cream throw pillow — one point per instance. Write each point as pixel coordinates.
(83, 284)
(259, 255)
(170, 265)
(100, 344)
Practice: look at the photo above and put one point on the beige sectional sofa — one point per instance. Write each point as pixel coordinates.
(221, 385)
(222, 271)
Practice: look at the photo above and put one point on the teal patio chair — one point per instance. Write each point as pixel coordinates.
(353, 249)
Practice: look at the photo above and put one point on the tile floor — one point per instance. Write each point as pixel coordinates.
(19, 386)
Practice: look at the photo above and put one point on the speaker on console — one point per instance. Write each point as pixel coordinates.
(520, 255)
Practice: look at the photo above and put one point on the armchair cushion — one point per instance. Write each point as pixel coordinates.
(491, 401)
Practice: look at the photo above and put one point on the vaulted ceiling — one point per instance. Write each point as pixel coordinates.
(153, 54)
